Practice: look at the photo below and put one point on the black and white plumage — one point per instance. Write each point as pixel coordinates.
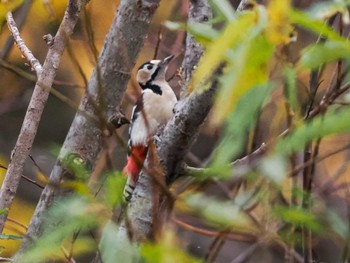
(153, 110)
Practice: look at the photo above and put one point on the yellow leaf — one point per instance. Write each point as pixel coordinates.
(42, 179)
(243, 73)
(215, 53)
(77, 186)
(279, 27)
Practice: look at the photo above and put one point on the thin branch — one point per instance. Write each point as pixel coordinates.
(35, 64)
(240, 167)
(17, 223)
(159, 40)
(326, 101)
(242, 257)
(242, 237)
(216, 246)
(37, 102)
(25, 178)
(20, 16)
(28, 76)
(320, 158)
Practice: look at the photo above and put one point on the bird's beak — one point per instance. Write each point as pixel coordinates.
(166, 61)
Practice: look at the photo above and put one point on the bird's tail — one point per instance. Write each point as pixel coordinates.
(133, 168)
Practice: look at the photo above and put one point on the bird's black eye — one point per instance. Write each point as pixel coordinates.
(149, 67)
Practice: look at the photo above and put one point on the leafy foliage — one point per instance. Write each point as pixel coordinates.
(165, 251)
(264, 201)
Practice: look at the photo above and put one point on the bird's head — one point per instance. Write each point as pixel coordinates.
(152, 70)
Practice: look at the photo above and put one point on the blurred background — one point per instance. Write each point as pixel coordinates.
(17, 82)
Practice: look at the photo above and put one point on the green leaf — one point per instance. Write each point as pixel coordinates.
(290, 89)
(319, 54)
(3, 211)
(114, 188)
(111, 248)
(317, 26)
(274, 168)
(239, 123)
(215, 53)
(325, 10)
(10, 237)
(76, 166)
(335, 122)
(299, 217)
(237, 78)
(224, 8)
(165, 251)
(202, 32)
(338, 224)
(73, 215)
(220, 213)
(76, 186)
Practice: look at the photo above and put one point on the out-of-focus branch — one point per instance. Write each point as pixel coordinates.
(240, 167)
(105, 90)
(34, 63)
(46, 75)
(31, 77)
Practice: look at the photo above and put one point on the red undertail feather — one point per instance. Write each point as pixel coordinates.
(135, 162)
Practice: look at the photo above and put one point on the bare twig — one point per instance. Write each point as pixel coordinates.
(17, 223)
(322, 157)
(246, 253)
(241, 166)
(25, 178)
(20, 16)
(35, 64)
(159, 40)
(242, 237)
(24, 74)
(216, 246)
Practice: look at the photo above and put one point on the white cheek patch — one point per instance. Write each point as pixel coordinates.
(143, 76)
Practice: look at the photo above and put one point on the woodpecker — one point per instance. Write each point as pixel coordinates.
(152, 111)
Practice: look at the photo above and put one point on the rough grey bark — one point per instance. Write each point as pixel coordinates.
(105, 90)
(182, 130)
(175, 141)
(46, 75)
